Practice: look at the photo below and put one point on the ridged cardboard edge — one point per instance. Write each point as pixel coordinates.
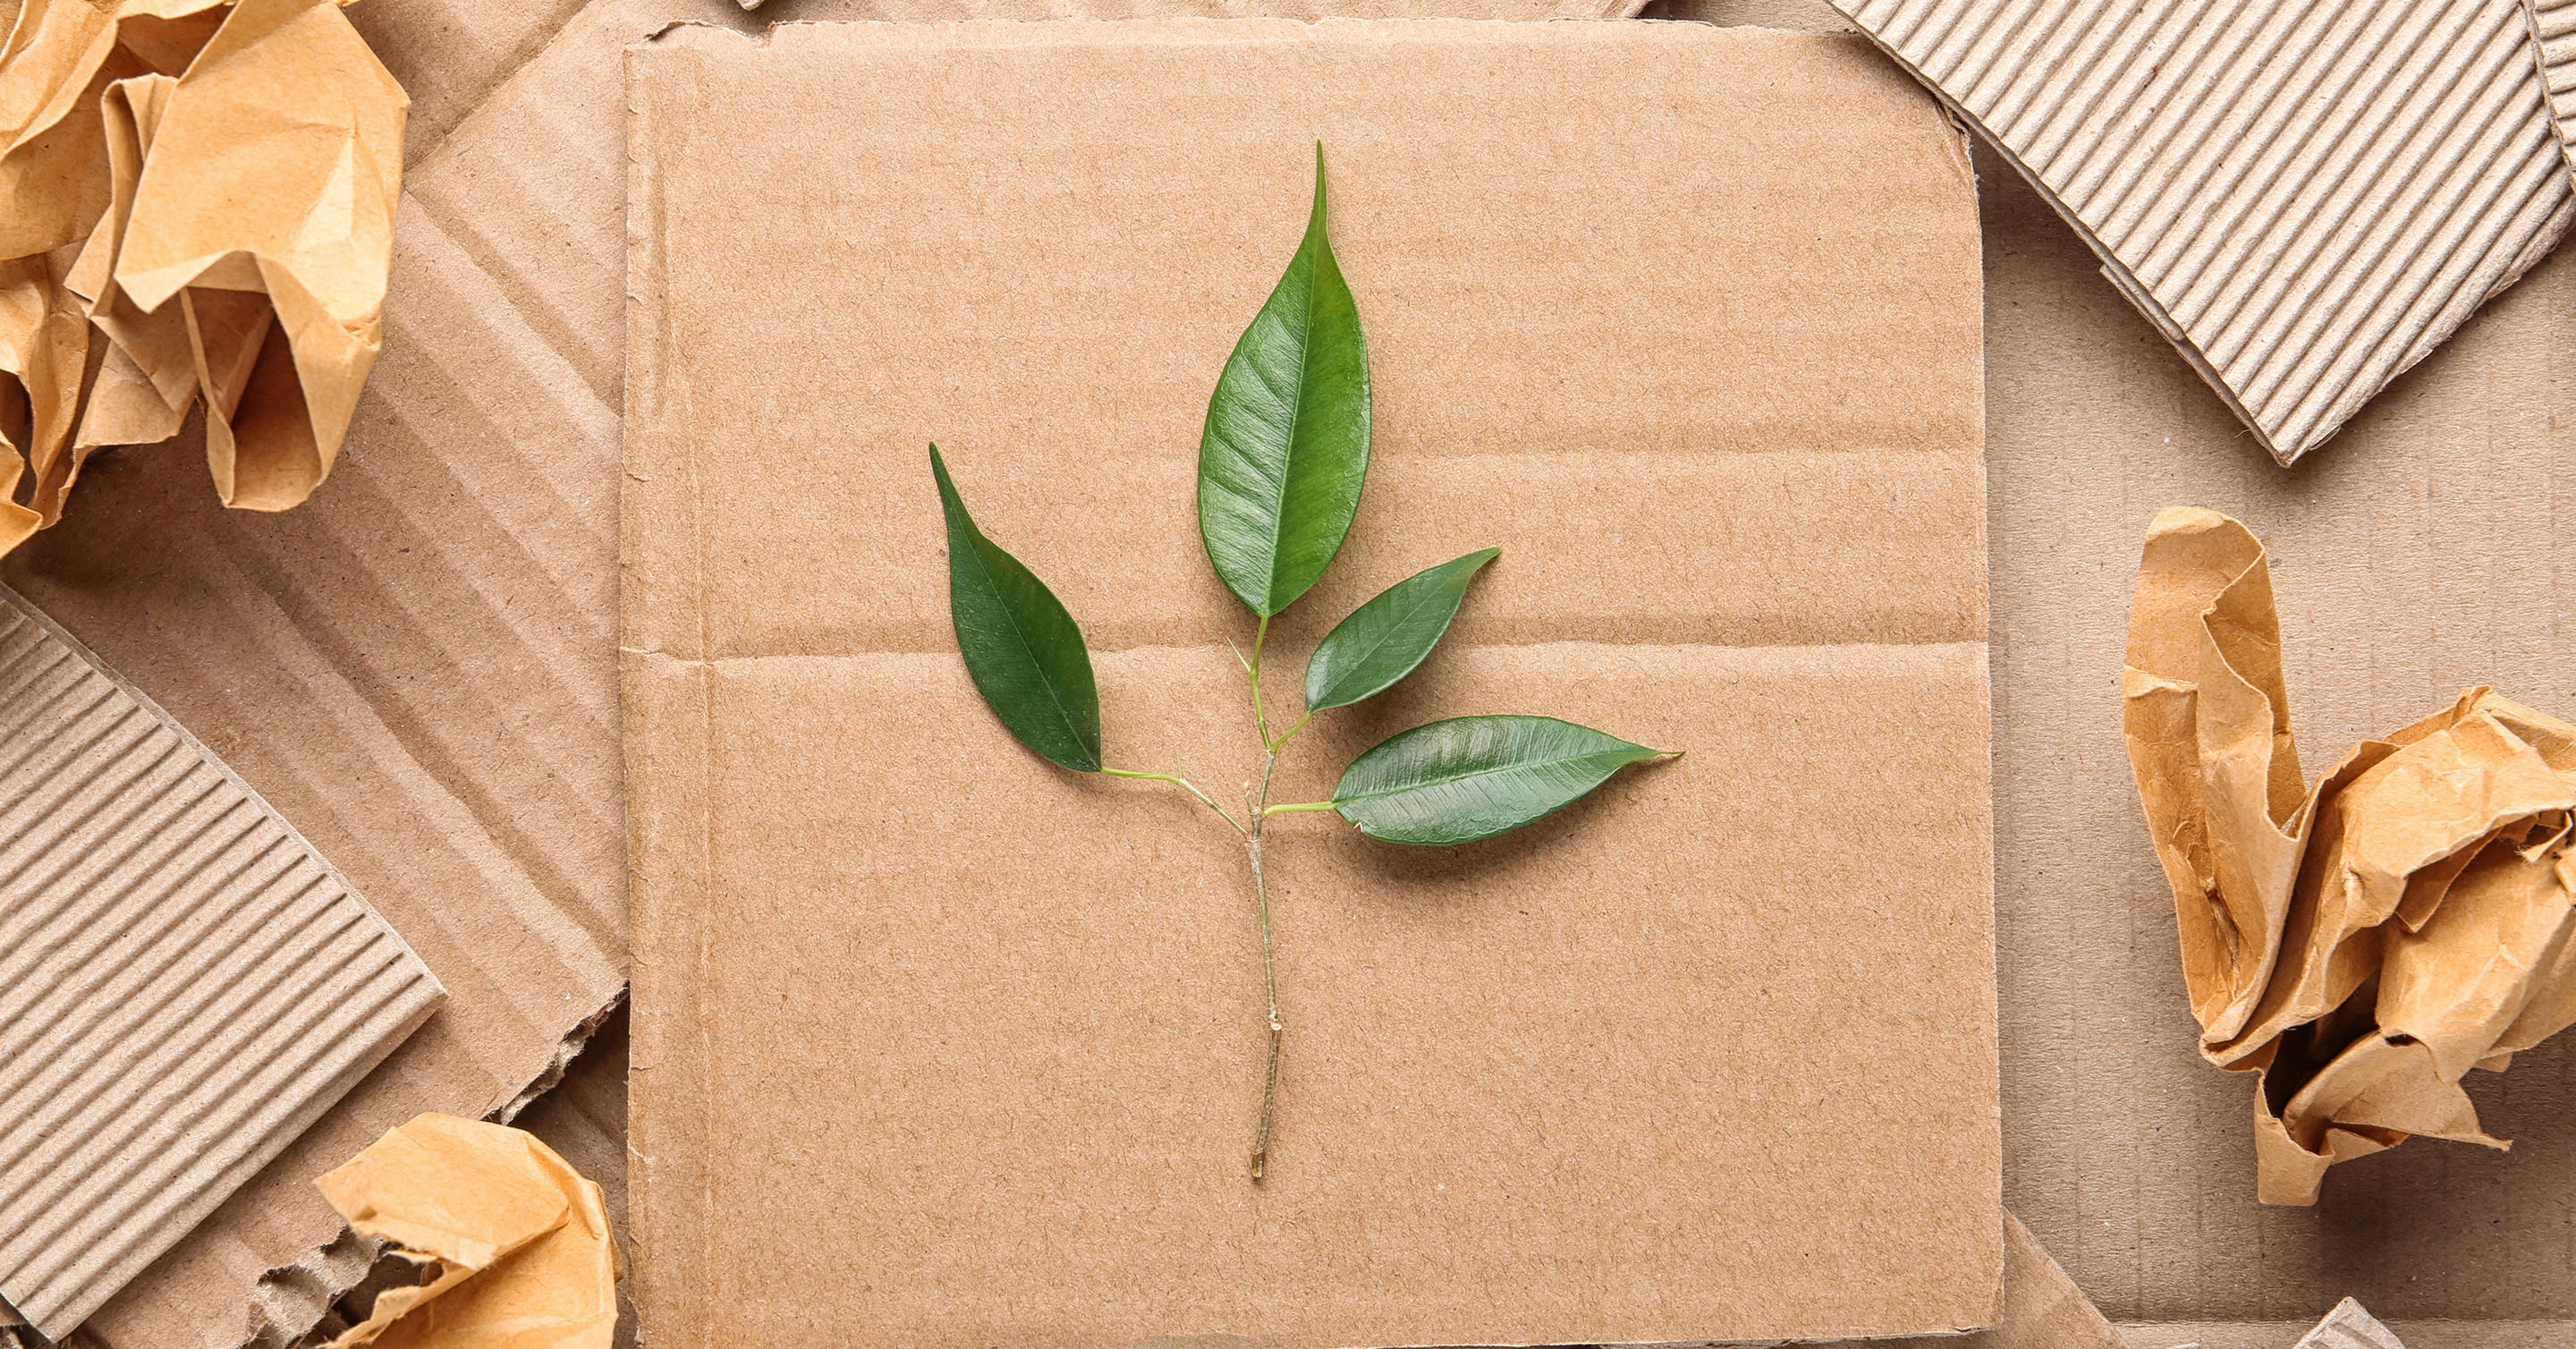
(2349, 400)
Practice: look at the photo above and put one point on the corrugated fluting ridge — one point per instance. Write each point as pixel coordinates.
(2553, 31)
(2305, 197)
(184, 983)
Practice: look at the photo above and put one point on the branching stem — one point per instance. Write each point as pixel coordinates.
(1184, 784)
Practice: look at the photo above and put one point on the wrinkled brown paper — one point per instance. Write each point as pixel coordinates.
(2359, 945)
(196, 203)
(514, 1244)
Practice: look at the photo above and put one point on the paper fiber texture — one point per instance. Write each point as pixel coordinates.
(2360, 943)
(893, 969)
(429, 640)
(2426, 555)
(206, 192)
(2306, 199)
(184, 983)
(513, 1244)
(2553, 36)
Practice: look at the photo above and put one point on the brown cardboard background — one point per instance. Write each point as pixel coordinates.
(1590, 1082)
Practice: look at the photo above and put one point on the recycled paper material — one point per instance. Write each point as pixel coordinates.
(2425, 555)
(2553, 35)
(185, 984)
(893, 969)
(227, 176)
(514, 1245)
(2349, 1326)
(2304, 198)
(440, 626)
(2362, 944)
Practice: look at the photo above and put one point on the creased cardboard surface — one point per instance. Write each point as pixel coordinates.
(2306, 199)
(442, 620)
(1021, 1015)
(185, 984)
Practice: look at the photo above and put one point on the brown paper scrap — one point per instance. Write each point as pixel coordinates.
(514, 1244)
(211, 187)
(2362, 945)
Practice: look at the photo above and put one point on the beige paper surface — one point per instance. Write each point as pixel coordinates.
(227, 175)
(514, 1245)
(853, 922)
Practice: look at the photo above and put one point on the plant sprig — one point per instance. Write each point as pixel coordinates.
(1281, 464)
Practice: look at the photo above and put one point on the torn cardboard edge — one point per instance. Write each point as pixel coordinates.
(196, 983)
(2302, 216)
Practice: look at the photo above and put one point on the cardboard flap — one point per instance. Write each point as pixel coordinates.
(1708, 1056)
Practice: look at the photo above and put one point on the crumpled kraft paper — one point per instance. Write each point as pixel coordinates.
(210, 188)
(2360, 945)
(515, 1244)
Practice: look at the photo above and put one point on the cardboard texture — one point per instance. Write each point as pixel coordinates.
(209, 189)
(2427, 554)
(2361, 943)
(442, 619)
(1024, 1014)
(185, 984)
(2553, 35)
(512, 1245)
(2349, 1326)
(2306, 199)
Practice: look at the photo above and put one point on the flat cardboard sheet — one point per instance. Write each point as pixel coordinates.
(418, 664)
(2305, 198)
(185, 984)
(1707, 1057)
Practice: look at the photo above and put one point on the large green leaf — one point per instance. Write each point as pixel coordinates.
(1022, 649)
(1468, 778)
(1286, 446)
(1385, 639)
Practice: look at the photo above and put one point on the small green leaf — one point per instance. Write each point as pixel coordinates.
(1468, 778)
(1387, 638)
(1022, 649)
(1286, 447)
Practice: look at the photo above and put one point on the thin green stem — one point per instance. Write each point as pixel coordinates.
(1295, 807)
(1185, 785)
(1256, 804)
(1282, 742)
(1252, 668)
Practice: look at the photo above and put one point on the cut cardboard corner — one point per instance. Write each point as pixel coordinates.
(188, 982)
(1462, 1154)
(2349, 1326)
(2404, 170)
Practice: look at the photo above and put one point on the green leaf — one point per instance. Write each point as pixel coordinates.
(1286, 447)
(1387, 638)
(1468, 778)
(1021, 647)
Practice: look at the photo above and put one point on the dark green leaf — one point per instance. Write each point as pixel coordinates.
(1385, 639)
(1286, 446)
(1021, 647)
(1468, 778)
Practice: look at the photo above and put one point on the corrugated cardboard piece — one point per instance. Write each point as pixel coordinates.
(1710, 1061)
(418, 666)
(185, 984)
(2427, 554)
(2305, 198)
(2553, 35)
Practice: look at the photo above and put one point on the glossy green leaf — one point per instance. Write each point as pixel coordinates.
(1385, 639)
(1286, 447)
(1022, 649)
(1468, 778)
